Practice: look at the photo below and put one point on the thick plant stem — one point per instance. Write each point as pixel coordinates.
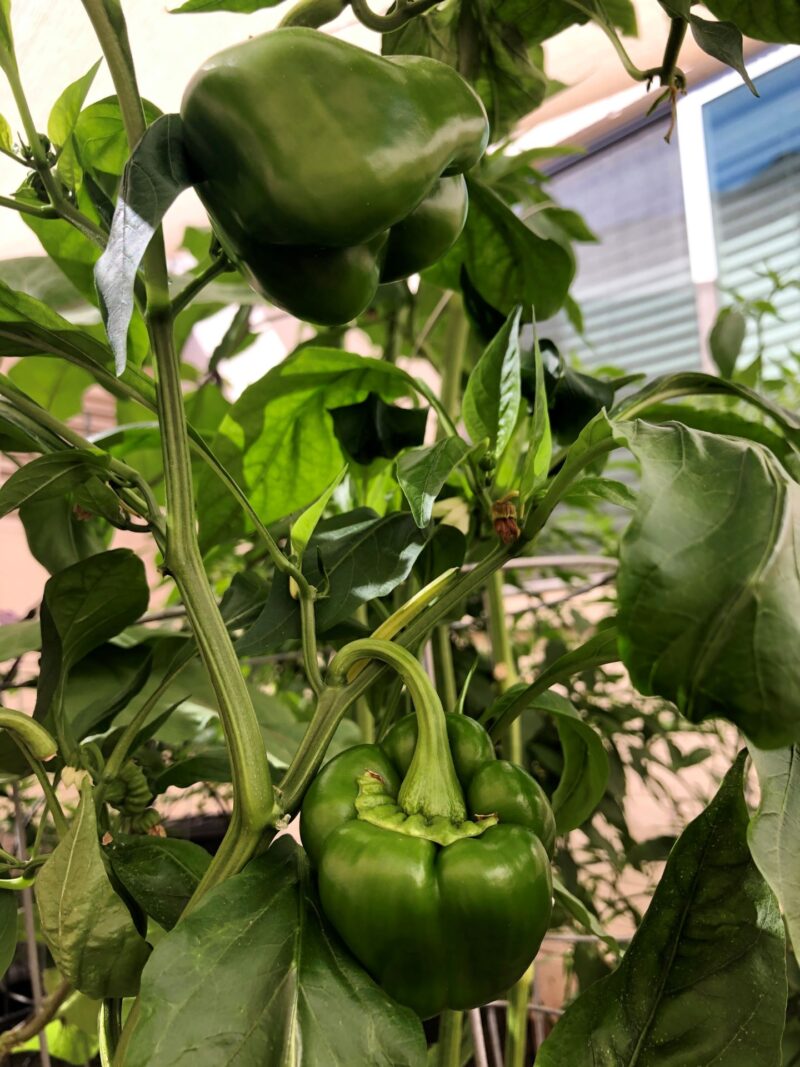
(445, 672)
(517, 1021)
(451, 1027)
(503, 656)
(677, 33)
(254, 805)
(252, 783)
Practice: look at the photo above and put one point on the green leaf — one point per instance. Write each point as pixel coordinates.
(87, 927)
(100, 137)
(719, 420)
(39, 277)
(17, 638)
(79, 614)
(692, 383)
(305, 524)
(536, 463)
(507, 262)
(372, 429)
(56, 537)
(363, 557)
(708, 583)
(726, 339)
(8, 928)
(55, 384)
(585, 774)
(102, 684)
(50, 476)
(61, 125)
(154, 176)
(776, 21)
(277, 440)
(493, 394)
(774, 830)
(590, 489)
(724, 42)
(161, 874)
(582, 915)
(711, 947)
(421, 473)
(66, 1042)
(6, 136)
(242, 7)
(212, 765)
(69, 249)
(255, 953)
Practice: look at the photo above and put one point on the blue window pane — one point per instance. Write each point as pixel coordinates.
(753, 148)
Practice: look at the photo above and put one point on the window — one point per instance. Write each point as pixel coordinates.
(713, 210)
(753, 154)
(635, 286)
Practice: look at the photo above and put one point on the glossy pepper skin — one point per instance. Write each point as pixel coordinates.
(438, 926)
(327, 170)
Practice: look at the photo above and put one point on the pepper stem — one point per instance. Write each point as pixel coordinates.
(430, 788)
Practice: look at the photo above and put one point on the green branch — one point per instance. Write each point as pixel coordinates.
(254, 806)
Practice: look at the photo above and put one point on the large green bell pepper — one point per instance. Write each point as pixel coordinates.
(327, 170)
(444, 902)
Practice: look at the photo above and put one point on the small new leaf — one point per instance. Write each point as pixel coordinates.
(61, 125)
(493, 394)
(724, 42)
(726, 339)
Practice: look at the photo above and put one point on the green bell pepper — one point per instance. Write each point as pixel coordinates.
(327, 170)
(431, 855)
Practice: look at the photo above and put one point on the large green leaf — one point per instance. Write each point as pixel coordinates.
(704, 979)
(87, 927)
(55, 384)
(766, 20)
(278, 439)
(708, 584)
(256, 954)
(493, 394)
(774, 830)
(161, 874)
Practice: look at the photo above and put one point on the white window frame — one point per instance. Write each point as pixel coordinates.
(694, 160)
